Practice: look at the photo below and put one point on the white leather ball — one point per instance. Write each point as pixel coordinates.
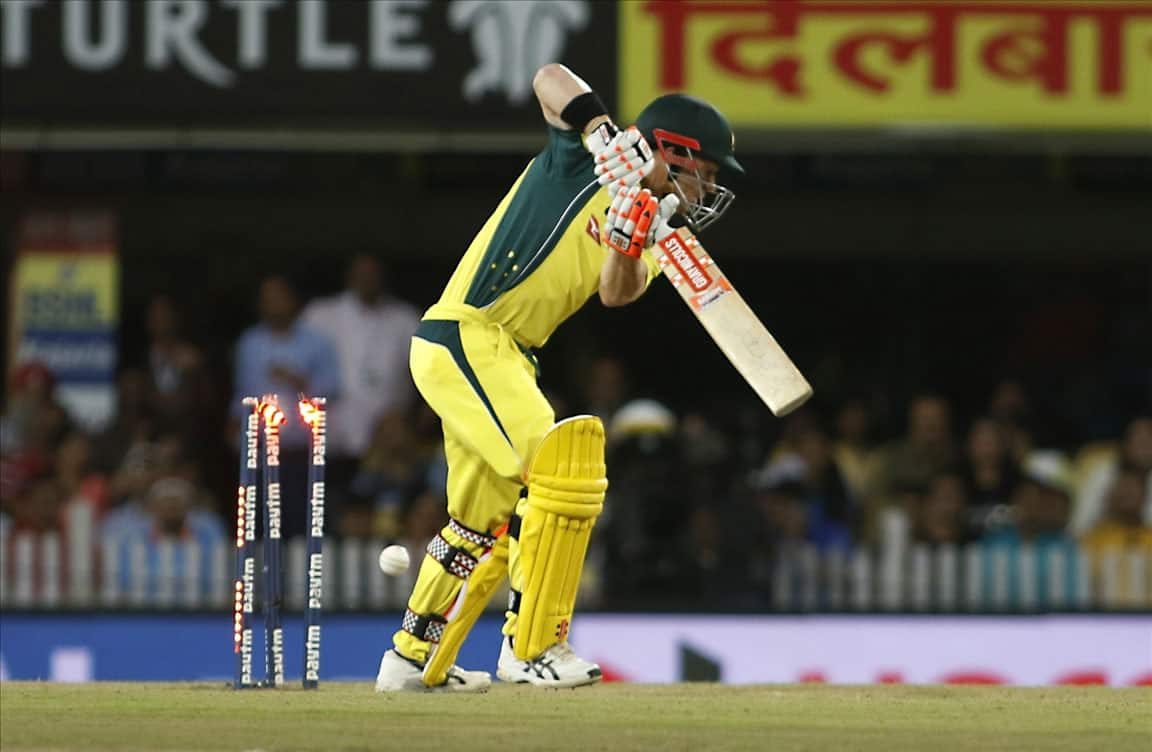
(394, 560)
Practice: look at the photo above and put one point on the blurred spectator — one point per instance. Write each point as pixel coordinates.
(605, 387)
(176, 367)
(174, 513)
(1011, 408)
(988, 467)
(38, 508)
(168, 518)
(371, 332)
(1123, 524)
(853, 449)
(990, 473)
(810, 473)
(938, 515)
(30, 394)
(702, 443)
(1040, 504)
(65, 503)
(657, 541)
(642, 418)
(708, 468)
(148, 460)
(830, 503)
(788, 528)
(281, 356)
(913, 461)
(783, 514)
(796, 510)
(1123, 530)
(139, 467)
(1134, 454)
(133, 420)
(32, 426)
(398, 468)
(73, 471)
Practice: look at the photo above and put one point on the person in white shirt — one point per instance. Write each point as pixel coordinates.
(371, 331)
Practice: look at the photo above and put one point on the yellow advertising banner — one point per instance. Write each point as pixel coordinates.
(1032, 64)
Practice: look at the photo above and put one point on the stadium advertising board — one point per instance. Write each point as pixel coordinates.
(461, 64)
(1023, 651)
(1017, 64)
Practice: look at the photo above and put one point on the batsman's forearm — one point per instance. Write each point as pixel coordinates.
(556, 86)
(622, 279)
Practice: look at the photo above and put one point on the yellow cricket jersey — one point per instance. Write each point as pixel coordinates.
(538, 257)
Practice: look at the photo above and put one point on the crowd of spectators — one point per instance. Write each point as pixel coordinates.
(682, 517)
(698, 504)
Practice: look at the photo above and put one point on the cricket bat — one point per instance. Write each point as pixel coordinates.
(733, 325)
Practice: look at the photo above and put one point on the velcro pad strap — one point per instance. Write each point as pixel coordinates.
(456, 561)
(428, 627)
(514, 600)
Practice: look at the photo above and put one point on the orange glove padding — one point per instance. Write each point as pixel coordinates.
(629, 219)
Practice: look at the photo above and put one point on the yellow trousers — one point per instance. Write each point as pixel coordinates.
(493, 414)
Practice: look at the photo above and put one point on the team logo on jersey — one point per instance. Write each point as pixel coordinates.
(593, 228)
(512, 39)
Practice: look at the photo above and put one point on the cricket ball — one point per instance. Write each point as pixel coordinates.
(394, 560)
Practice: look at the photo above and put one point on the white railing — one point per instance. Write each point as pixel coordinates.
(183, 575)
(83, 570)
(974, 577)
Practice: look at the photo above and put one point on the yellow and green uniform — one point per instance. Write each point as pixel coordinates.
(535, 262)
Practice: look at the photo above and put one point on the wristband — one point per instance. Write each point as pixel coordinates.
(583, 109)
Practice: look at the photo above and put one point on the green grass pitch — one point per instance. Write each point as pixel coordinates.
(616, 717)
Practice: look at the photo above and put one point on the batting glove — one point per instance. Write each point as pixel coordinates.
(660, 227)
(622, 158)
(636, 220)
(629, 220)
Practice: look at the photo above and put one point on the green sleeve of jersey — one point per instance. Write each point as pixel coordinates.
(565, 156)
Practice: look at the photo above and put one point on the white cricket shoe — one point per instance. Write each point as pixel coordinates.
(557, 666)
(398, 674)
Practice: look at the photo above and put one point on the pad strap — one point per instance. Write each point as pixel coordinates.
(456, 561)
(480, 539)
(428, 627)
(514, 600)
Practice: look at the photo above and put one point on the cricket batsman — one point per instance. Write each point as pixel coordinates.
(524, 490)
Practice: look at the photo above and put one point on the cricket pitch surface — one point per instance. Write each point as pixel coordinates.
(616, 717)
